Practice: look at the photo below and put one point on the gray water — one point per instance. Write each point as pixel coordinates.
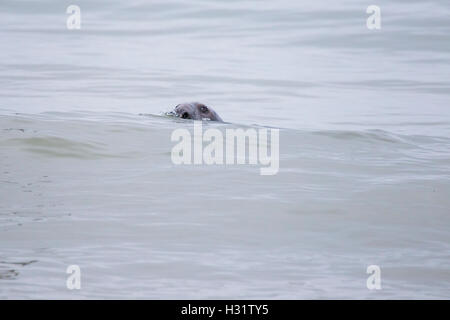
(86, 176)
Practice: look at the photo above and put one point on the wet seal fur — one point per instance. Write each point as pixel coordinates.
(196, 111)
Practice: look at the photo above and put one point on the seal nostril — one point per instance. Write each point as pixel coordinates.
(185, 115)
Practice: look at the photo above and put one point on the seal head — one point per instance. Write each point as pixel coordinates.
(196, 111)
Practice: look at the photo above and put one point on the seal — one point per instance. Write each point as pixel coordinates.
(196, 111)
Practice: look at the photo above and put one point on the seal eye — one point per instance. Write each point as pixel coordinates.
(203, 109)
(185, 115)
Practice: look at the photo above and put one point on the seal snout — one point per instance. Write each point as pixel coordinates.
(185, 111)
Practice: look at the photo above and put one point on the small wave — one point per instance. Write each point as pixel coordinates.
(374, 135)
(60, 147)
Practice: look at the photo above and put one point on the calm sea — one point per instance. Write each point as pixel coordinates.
(86, 176)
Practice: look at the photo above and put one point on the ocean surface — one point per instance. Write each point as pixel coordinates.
(87, 179)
